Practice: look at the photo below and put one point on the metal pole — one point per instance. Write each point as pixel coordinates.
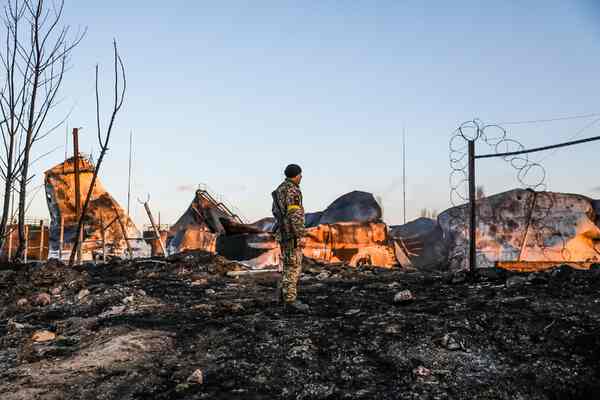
(129, 179)
(41, 239)
(404, 171)
(62, 237)
(156, 232)
(66, 143)
(472, 210)
(77, 188)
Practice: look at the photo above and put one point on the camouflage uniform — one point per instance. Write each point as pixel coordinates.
(289, 235)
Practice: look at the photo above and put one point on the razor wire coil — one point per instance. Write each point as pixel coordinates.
(530, 174)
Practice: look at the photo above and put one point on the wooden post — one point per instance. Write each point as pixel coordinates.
(77, 187)
(124, 232)
(80, 244)
(156, 232)
(26, 242)
(41, 239)
(62, 237)
(103, 230)
(472, 210)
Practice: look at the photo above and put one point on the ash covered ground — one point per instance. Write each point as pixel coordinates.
(182, 329)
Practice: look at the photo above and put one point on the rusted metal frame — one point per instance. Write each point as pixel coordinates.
(62, 237)
(111, 223)
(156, 232)
(124, 232)
(220, 205)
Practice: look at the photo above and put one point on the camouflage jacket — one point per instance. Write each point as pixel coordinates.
(290, 201)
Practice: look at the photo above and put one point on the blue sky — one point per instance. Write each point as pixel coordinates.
(227, 93)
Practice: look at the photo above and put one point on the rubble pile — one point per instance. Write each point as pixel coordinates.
(181, 328)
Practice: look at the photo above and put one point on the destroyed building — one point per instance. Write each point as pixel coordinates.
(107, 227)
(349, 231)
(518, 226)
(522, 226)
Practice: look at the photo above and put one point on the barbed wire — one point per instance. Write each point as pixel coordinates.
(530, 175)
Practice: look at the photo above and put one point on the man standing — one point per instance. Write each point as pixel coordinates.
(289, 231)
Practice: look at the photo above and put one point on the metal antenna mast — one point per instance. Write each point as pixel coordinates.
(129, 179)
(404, 171)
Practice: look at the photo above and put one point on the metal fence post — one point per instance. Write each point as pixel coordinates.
(472, 210)
(41, 239)
(62, 237)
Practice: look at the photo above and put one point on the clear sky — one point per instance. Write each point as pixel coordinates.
(228, 92)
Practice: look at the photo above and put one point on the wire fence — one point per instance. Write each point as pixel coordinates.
(530, 174)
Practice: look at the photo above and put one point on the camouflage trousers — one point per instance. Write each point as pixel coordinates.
(291, 254)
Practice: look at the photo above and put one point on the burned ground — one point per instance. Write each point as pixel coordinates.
(139, 330)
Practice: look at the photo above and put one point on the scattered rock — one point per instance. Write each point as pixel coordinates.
(209, 292)
(115, 310)
(458, 277)
(56, 291)
(16, 325)
(422, 371)
(392, 329)
(323, 275)
(451, 342)
(83, 293)
(128, 299)
(182, 387)
(41, 299)
(233, 307)
(354, 311)
(197, 377)
(43, 336)
(22, 302)
(203, 307)
(403, 296)
(516, 280)
(141, 292)
(200, 281)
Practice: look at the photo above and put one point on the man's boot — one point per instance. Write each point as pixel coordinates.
(296, 307)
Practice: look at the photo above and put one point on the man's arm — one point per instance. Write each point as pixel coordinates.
(295, 212)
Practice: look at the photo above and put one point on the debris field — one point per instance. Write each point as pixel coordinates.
(182, 328)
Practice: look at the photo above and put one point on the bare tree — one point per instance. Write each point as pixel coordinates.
(12, 104)
(36, 53)
(103, 140)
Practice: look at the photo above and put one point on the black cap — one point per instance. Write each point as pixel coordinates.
(292, 170)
